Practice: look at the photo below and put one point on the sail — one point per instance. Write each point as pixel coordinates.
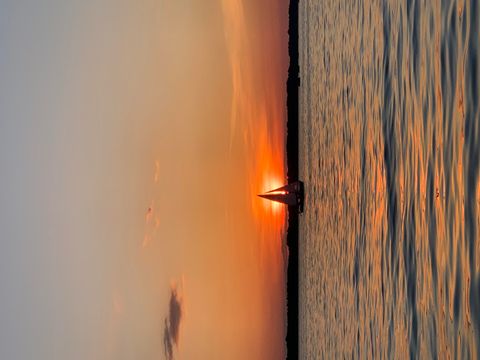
(290, 194)
(288, 199)
(287, 188)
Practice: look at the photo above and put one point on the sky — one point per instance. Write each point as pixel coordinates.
(134, 136)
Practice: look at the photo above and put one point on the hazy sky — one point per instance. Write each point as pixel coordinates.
(134, 135)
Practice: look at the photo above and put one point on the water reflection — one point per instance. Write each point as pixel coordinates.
(390, 156)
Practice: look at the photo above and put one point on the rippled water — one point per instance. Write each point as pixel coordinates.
(390, 156)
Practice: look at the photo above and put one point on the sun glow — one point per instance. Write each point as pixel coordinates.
(257, 139)
(269, 206)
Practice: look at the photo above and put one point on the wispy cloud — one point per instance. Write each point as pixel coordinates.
(238, 51)
(167, 341)
(258, 104)
(172, 324)
(156, 177)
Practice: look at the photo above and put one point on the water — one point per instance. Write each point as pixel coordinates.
(390, 156)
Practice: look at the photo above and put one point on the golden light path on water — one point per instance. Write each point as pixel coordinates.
(390, 158)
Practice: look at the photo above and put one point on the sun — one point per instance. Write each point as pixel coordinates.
(269, 184)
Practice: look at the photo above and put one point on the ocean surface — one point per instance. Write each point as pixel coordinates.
(390, 155)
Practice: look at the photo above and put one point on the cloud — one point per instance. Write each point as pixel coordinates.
(236, 38)
(175, 315)
(172, 324)
(156, 177)
(167, 342)
(147, 239)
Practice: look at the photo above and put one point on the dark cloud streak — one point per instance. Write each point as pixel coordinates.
(172, 324)
(167, 342)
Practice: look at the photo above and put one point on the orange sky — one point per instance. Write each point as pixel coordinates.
(134, 139)
(235, 300)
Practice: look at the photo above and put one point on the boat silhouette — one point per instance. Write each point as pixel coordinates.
(291, 194)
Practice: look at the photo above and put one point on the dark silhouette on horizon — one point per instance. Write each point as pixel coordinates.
(290, 194)
(293, 83)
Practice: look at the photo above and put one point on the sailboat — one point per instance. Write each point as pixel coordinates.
(291, 194)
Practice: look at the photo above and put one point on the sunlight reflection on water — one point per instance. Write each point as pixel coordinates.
(390, 156)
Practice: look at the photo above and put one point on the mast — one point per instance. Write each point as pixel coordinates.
(293, 187)
(287, 199)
